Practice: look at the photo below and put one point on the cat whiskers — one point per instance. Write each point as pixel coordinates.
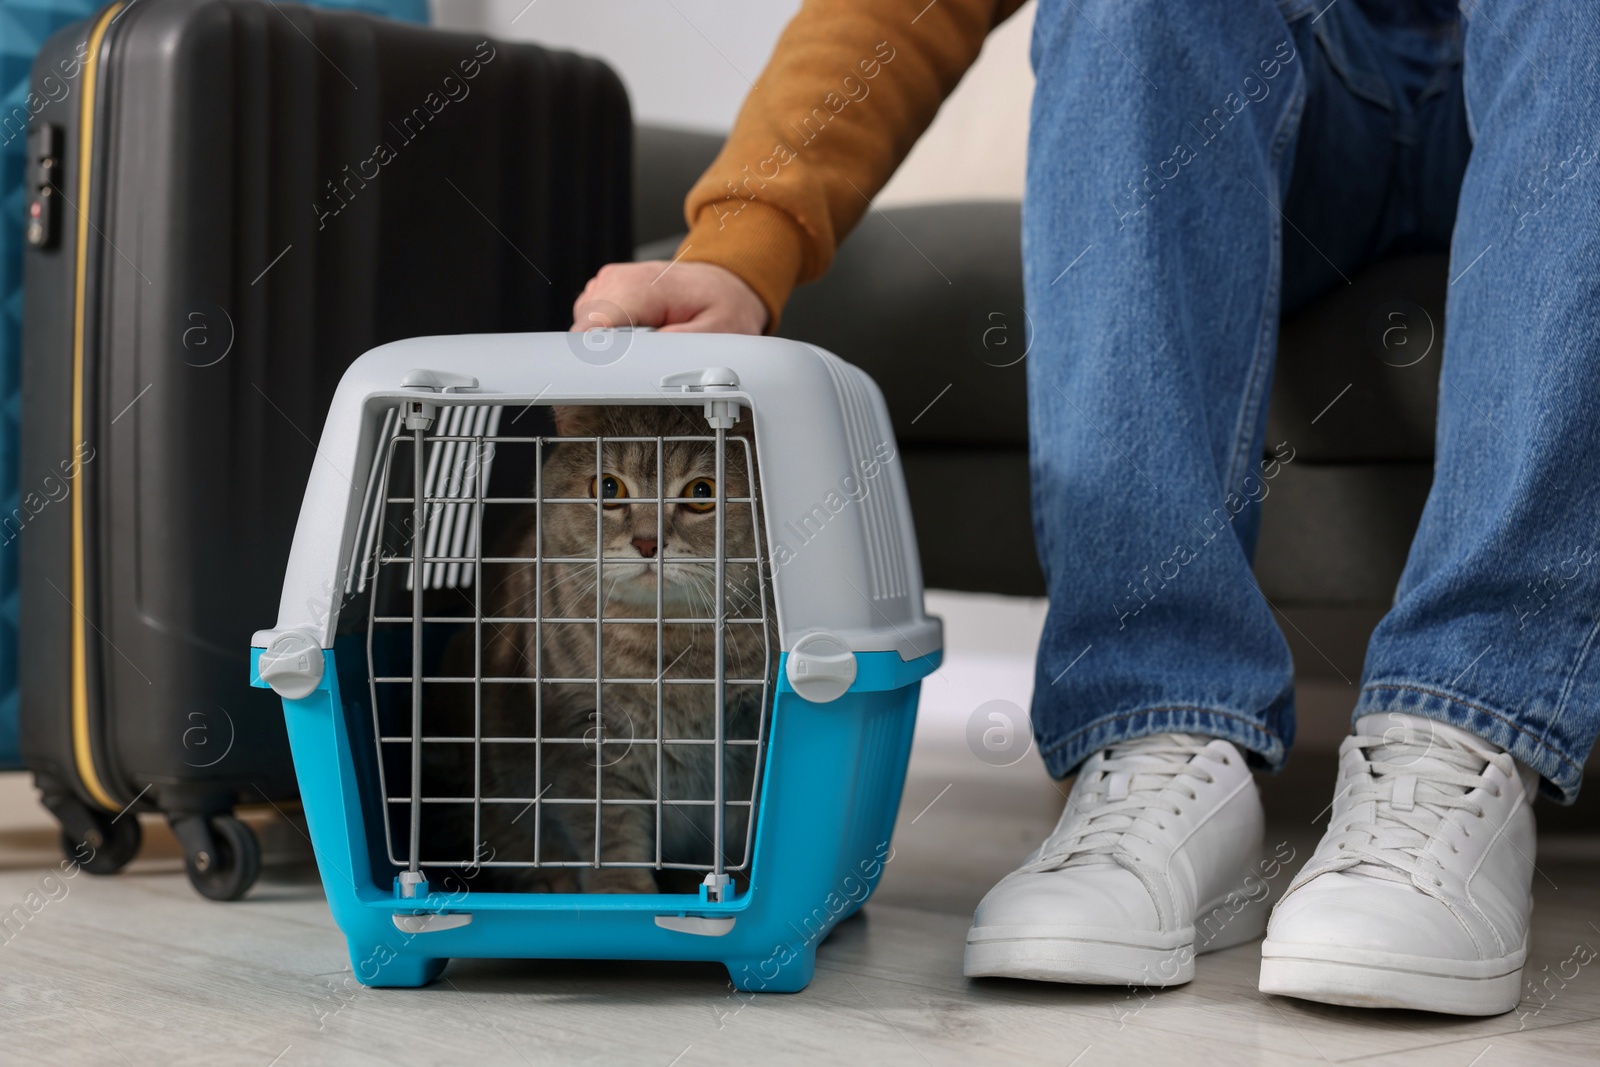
(583, 572)
(701, 584)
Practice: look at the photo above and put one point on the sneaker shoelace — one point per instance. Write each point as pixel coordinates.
(1135, 787)
(1397, 799)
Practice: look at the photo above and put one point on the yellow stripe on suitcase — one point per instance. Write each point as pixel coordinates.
(82, 747)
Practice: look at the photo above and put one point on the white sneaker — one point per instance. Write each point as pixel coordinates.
(1419, 894)
(1157, 832)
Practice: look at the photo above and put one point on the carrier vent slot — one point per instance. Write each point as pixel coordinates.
(886, 565)
(453, 471)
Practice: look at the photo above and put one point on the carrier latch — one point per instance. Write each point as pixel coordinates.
(292, 665)
(704, 926)
(721, 414)
(419, 413)
(429, 922)
(694, 381)
(820, 667)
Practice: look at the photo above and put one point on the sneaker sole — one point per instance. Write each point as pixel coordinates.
(1359, 985)
(1104, 961)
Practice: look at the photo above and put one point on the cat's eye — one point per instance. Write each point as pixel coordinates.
(608, 487)
(703, 494)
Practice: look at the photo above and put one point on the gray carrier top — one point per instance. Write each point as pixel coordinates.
(838, 533)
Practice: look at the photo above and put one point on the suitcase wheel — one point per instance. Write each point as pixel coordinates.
(221, 855)
(107, 846)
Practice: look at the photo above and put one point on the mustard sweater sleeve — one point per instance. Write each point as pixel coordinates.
(850, 87)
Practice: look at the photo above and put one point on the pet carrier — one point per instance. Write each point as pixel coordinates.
(619, 627)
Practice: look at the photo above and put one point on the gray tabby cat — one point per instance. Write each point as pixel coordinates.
(633, 547)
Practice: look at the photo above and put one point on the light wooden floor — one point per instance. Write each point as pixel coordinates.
(137, 970)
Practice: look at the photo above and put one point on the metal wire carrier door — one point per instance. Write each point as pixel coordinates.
(572, 700)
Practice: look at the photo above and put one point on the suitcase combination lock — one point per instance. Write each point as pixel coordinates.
(43, 184)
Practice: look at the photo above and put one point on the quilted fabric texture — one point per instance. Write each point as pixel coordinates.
(24, 25)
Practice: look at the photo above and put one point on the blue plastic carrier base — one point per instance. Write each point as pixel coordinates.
(24, 25)
(822, 841)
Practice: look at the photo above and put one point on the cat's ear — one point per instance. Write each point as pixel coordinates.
(576, 421)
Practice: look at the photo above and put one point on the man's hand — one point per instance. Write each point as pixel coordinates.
(677, 298)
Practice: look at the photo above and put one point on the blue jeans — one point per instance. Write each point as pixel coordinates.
(1198, 167)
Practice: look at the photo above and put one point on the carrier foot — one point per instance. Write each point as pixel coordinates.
(381, 967)
(787, 970)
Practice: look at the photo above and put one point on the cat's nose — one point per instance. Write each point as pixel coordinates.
(646, 546)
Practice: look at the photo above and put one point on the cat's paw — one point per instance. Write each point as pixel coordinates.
(563, 882)
(618, 880)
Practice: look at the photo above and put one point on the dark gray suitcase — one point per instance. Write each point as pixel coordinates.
(229, 202)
